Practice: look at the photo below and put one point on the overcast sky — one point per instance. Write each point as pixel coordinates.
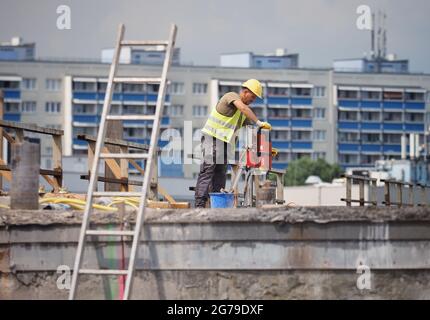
(319, 30)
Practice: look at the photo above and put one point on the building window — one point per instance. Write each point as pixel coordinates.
(319, 92)
(28, 106)
(319, 135)
(301, 92)
(84, 86)
(280, 135)
(200, 88)
(53, 107)
(84, 108)
(53, 84)
(318, 155)
(200, 111)
(28, 84)
(48, 151)
(175, 110)
(347, 94)
(11, 107)
(176, 88)
(319, 113)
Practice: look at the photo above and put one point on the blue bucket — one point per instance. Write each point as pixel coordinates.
(221, 200)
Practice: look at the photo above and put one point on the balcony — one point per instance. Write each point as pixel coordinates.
(348, 147)
(280, 165)
(387, 148)
(392, 105)
(279, 122)
(278, 100)
(11, 94)
(370, 104)
(348, 103)
(393, 126)
(371, 148)
(86, 118)
(16, 117)
(281, 144)
(301, 101)
(301, 145)
(299, 123)
(347, 125)
(81, 95)
(371, 126)
(414, 127)
(133, 97)
(415, 106)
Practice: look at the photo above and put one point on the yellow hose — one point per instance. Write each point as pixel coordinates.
(76, 203)
(4, 206)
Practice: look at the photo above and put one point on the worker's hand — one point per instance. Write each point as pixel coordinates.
(274, 152)
(264, 125)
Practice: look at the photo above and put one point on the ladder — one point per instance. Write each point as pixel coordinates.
(168, 47)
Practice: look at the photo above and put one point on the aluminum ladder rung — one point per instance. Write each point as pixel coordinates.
(103, 271)
(144, 43)
(130, 117)
(116, 194)
(124, 155)
(109, 233)
(136, 80)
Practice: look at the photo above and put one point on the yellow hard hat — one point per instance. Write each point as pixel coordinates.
(255, 87)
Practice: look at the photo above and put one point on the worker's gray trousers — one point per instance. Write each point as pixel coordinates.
(213, 169)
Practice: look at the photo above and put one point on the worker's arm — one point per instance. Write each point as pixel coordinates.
(246, 110)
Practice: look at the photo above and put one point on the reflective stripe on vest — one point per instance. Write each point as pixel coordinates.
(223, 127)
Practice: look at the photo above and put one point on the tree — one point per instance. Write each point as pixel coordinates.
(298, 171)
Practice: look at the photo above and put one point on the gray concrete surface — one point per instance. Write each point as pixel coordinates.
(284, 253)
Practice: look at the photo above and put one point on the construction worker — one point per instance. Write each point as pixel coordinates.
(229, 115)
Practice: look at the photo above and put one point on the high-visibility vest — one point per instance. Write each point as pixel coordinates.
(223, 127)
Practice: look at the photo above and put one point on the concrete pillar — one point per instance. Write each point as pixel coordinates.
(24, 192)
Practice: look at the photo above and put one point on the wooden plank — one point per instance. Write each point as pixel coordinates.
(57, 158)
(136, 165)
(167, 196)
(348, 191)
(30, 128)
(114, 130)
(1, 135)
(19, 135)
(123, 163)
(4, 173)
(280, 186)
(8, 137)
(361, 192)
(53, 182)
(113, 165)
(153, 190)
(167, 205)
(41, 171)
(116, 142)
(114, 180)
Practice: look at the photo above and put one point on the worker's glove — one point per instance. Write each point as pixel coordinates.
(274, 152)
(264, 125)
